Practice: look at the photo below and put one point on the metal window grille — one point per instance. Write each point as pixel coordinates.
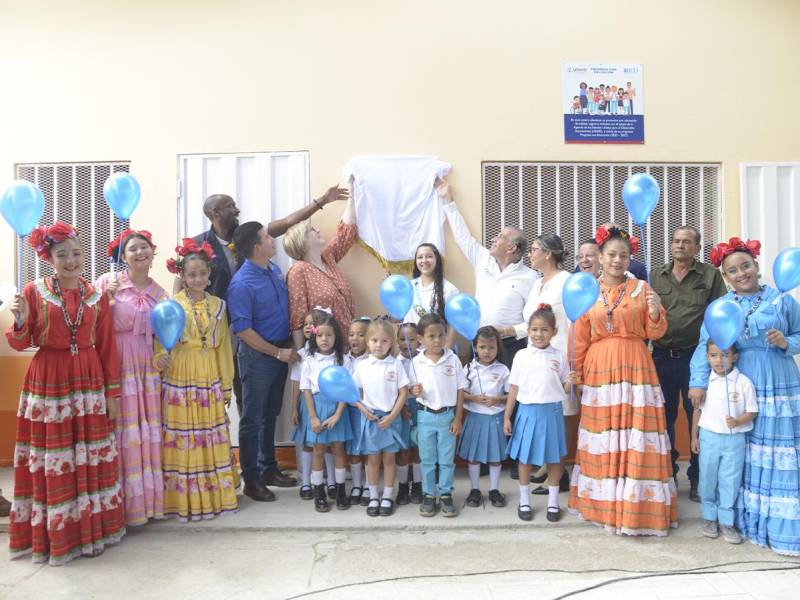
(73, 193)
(572, 199)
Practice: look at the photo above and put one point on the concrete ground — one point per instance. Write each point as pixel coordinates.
(286, 550)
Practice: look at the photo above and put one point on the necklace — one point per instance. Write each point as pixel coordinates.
(610, 310)
(203, 332)
(72, 326)
(753, 308)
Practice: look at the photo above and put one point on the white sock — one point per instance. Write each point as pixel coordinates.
(330, 465)
(316, 477)
(524, 495)
(388, 494)
(374, 494)
(402, 474)
(552, 496)
(355, 474)
(305, 466)
(474, 475)
(494, 476)
(416, 468)
(341, 475)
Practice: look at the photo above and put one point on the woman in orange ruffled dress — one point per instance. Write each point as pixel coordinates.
(623, 475)
(67, 496)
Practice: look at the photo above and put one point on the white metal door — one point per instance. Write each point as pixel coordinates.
(770, 194)
(265, 186)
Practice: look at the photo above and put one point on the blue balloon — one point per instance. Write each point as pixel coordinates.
(463, 313)
(122, 193)
(786, 269)
(724, 321)
(22, 205)
(397, 296)
(167, 320)
(579, 294)
(337, 385)
(640, 194)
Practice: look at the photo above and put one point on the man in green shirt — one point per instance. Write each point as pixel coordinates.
(686, 286)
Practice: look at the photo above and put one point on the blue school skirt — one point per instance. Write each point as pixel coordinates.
(299, 433)
(482, 439)
(408, 429)
(538, 436)
(374, 440)
(341, 432)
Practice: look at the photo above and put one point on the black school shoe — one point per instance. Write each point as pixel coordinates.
(416, 493)
(365, 498)
(448, 508)
(497, 498)
(373, 508)
(342, 501)
(525, 515)
(332, 491)
(403, 496)
(554, 516)
(306, 492)
(355, 495)
(386, 511)
(474, 499)
(321, 499)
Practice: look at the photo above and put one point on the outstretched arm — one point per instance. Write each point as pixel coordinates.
(280, 226)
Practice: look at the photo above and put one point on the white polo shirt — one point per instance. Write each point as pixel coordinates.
(540, 375)
(354, 360)
(500, 294)
(381, 379)
(423, 298)
(313, 366)
(714, 408)
(440, 380)
(493, 382)
(298, 366)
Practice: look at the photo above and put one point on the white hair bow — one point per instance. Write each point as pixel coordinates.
(323, 309)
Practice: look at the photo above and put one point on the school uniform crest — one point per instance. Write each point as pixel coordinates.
(391, 375)
(449, 370)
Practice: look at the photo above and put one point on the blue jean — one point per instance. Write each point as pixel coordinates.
(721, 468)
(673, 375)
(263, 379)
(436, 444)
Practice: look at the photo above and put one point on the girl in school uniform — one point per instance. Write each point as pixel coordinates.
(483, 439)
(384, 387)
(327, 423)
(539, 380)
(299, 414)
(431, 289)
(357, 351)
(439, 390)
(408, 342)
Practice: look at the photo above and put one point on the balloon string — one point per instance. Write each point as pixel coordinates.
(410, 358)
(477, 372)
(725, 370)
(20, 260)
(644, 252)
(119, 248)
(779, 305)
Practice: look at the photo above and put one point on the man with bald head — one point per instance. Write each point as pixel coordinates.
(502, 281)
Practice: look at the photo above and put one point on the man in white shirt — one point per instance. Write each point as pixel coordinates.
(502, 281)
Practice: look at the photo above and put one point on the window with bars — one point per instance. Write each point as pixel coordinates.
(73, 193)
(572, 199)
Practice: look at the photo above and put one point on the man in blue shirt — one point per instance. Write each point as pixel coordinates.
(258, 303)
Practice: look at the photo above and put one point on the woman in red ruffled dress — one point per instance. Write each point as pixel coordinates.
(67, 497)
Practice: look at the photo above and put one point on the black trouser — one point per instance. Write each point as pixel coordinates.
(510, 348)
(673, 370)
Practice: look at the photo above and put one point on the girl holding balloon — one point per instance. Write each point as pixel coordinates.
(67, 496)
(327, 423)
(623, 473)
(768, 508)
(199, 480)
(137, 413)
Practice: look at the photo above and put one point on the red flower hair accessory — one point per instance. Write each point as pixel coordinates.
(544, 306)
(189, 247)
(603, 234)
(116, 242)
(722, 250)
(42, 238)
(634, 242)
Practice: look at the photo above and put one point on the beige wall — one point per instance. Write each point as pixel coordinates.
(467, 81)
